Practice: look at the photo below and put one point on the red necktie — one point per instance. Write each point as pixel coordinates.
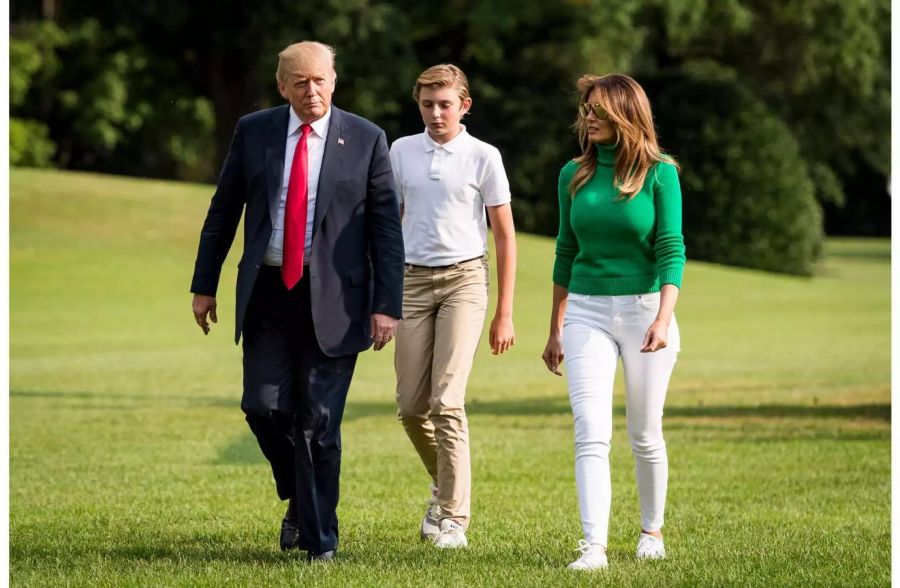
(295, 214)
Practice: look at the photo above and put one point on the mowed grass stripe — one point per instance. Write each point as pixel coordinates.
(130, 463)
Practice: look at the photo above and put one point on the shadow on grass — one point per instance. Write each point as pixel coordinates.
(244, 450)
(535, 406)
(81, 400)
(90, 398)
(49, 394)
(555, 405)
(199, 549)
(241, 451)
(870, 254)
(188, 553)
(880, 412)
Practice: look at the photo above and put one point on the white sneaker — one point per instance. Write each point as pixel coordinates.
(593, 557)
(650, 547)
(452, 535)
(431, 523)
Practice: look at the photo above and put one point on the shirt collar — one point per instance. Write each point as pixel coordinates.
(319, 127)
(451, 146)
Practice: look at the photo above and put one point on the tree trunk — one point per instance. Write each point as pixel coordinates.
(235, 92)
(50, 9)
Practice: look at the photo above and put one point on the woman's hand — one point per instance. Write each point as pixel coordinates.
(502, 334)
(553, 354)
(655, 339)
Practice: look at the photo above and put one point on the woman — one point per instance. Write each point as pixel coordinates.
(619, 262)
(445, 179)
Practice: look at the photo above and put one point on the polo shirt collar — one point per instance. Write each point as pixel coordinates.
(319, 127)
(452, 146)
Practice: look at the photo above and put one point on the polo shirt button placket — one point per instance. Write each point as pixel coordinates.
(437, 161)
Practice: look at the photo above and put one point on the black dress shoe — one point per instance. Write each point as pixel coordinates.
(325, 556)
(290, 535)
(290, 530)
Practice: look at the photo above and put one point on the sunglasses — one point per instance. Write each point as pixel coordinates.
(586, 108)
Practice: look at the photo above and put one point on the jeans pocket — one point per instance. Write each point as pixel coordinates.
(648, 301)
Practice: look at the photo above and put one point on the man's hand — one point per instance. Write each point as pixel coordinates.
(383, 329)
(202, 306)
(502, 334)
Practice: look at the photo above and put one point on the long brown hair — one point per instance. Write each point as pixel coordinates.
(629, 112)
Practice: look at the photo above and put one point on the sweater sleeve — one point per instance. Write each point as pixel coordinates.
(566, 241)
(669, 244)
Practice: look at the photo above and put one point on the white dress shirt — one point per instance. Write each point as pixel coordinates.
(315, 146)
(443, 190)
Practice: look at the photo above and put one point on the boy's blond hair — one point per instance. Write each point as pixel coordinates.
(442, 76)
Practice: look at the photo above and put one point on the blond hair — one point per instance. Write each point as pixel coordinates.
(629, 112)
(297, 51)
(442, 76)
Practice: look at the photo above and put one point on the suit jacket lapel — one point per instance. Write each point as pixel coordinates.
(332, 164)
(276, 140)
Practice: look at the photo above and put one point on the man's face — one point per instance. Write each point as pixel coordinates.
(441, 111)
(308, 86)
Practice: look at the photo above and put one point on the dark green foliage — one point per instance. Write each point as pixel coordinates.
(29, 141)
(155, 88)
(821, 66)
(96, 91)
(748, 197)
(29, 144)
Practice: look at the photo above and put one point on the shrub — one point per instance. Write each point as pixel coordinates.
(30, 144)
(748, 197)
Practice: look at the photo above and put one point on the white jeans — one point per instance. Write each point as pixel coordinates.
(597, 330)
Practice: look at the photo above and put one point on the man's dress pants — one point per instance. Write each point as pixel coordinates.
(294, 398)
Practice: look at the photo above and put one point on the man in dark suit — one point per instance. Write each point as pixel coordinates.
(320, 280)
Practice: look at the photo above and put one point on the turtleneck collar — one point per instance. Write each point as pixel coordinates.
(606, 153)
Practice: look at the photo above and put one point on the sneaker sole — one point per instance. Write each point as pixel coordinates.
(462, 546)
(650, 557)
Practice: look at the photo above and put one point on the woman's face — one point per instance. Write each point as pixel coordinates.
(600, 129)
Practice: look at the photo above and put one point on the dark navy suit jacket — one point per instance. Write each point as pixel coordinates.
(356, 264)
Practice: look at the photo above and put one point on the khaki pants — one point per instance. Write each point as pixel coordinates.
(443, 316)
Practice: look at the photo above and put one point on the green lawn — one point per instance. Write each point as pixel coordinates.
(130, 462)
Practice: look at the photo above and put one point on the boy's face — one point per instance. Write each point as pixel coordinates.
(441, 110)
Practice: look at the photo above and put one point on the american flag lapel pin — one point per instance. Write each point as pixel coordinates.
(340, 141)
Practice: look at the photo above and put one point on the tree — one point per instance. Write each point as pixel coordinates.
(820, 65)
(155, 88)
(748, 197)
(29, 139)
(94, 88)
(226, 51)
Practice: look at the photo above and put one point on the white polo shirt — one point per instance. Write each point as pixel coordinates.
(443, 190)
(315, 150)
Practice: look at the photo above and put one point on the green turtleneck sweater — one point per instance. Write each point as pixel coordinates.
(609, 246)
